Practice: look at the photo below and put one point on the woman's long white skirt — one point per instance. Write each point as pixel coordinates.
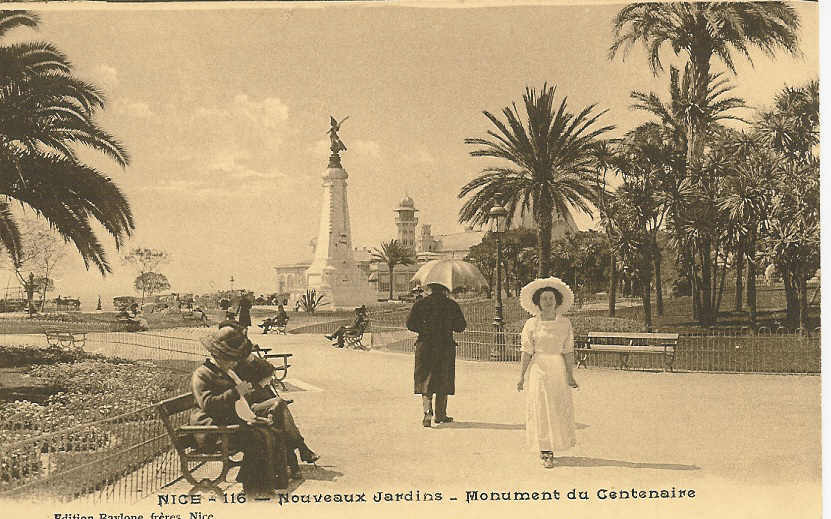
(549, 422)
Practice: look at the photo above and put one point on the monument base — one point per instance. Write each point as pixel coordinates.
(342, 288)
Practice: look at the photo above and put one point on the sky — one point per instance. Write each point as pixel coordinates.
(224, 111)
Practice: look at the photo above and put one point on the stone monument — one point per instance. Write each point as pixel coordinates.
(333, 271)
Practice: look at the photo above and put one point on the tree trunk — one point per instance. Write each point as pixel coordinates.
(751, 290)
(391, 267)
(612, 284)
(792, 308)
(705, 318)
(696, 299)
(739, 282)
(646, 296)
(505, 264)
(659, 297)
(803, 304)
(544, 216)
(720, 289)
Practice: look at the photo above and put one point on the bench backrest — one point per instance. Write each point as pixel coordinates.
(177, 404)
(641, 336)
(632, 339)
(173, 406)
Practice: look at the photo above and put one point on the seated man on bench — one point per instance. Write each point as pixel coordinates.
(358, 326)
(278, 321)
(267, 428)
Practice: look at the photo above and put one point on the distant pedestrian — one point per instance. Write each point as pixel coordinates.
(548, 362)
(435, 318)
(244, 312)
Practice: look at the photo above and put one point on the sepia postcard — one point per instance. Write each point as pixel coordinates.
(454, 259)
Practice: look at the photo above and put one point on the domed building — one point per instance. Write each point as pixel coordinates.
(426, 246)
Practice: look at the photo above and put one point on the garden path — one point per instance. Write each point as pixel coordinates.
(747, 443)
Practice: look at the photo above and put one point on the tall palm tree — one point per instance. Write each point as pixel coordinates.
(393, 253)
(45, 114)
(673, 116)
(700, 31)
(604, 157)
(551, 165)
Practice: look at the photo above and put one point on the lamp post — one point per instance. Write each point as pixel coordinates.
(497, 216)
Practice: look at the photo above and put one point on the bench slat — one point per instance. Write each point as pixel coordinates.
(622, 335)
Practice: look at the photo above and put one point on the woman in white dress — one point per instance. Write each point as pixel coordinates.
(548, 362)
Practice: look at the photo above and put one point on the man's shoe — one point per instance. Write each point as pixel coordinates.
(446, 419)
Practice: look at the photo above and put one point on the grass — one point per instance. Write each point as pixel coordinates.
(677, 316)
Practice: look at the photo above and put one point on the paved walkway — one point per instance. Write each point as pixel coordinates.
(747, 444)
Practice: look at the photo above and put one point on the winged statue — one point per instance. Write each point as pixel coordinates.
(337, 144)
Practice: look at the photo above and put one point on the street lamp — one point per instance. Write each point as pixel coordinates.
(497, 219)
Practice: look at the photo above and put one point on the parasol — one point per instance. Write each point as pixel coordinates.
(452, 273)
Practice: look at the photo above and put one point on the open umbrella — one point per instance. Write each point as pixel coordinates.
(452, 273)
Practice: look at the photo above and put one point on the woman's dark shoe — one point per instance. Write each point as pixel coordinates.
(307, 455)
(330, 337)
(427, 419)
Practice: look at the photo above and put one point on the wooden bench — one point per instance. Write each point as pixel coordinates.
(181, 436)
(65, 338)
(193, 315)
(352, 337)
(626, 344)
(281, 369)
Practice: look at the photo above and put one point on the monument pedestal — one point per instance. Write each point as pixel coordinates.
(333, 271)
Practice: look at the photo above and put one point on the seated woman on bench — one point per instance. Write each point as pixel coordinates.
(267, 427)
(357, 326)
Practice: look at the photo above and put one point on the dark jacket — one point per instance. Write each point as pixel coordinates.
(435, 318)
(244, 312)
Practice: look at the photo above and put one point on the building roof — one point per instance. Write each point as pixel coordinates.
(406, 203)
(460, 241)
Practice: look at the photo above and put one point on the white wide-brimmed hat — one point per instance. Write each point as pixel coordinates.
(528, 291)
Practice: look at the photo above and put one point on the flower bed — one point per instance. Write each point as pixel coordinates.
(90, 388)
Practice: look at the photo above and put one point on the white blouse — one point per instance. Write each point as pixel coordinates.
(548, 337)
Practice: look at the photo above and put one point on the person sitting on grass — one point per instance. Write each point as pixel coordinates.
(358, 326)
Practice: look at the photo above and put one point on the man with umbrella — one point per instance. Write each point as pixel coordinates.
(435, 318)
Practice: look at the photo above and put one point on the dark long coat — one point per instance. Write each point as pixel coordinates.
(435, 318)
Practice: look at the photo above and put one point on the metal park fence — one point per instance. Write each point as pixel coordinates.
(119, 458)
(721, 353)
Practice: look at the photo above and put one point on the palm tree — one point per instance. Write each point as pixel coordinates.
(747, 200)
(393, 253)
(604, 156)
(45, 113)
(552, 165)
(677, 183)
(791, 130)
(700, 31)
